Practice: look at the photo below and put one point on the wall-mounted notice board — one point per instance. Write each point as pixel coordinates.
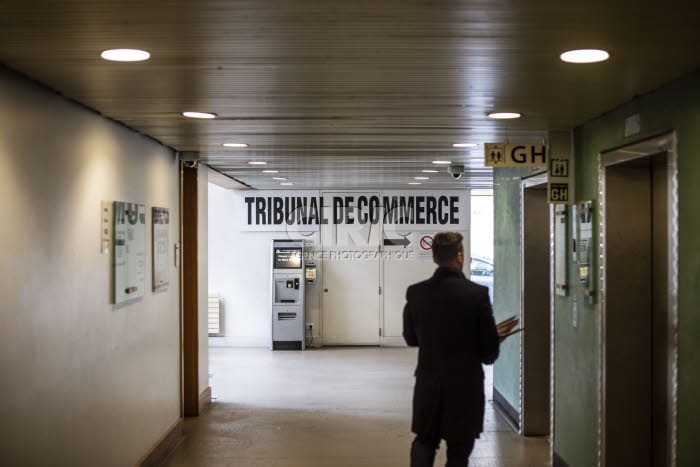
(129, 257)
(161, 240)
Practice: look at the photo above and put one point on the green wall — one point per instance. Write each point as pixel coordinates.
(673, 107)
(577, 349)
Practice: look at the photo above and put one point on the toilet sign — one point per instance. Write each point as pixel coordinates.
(559, 180)
(516, 155)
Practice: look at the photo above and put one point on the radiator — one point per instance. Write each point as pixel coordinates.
(214, 315)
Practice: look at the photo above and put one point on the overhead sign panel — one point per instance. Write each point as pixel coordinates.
(516, 155)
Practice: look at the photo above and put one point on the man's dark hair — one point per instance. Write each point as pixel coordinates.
(446, 245)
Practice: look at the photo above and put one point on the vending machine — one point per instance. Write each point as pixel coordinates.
(288, 305)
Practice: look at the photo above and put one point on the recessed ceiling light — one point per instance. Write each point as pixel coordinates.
(235, 145)
(414, 183)
(504, 115)
(270, 171)
(125, 55)
(442, 162)
(286, 184)
(199, 115)
(421, 178)
(464, 145)
(429, 171)
(585, 56)
(279, 178)
(257, 163)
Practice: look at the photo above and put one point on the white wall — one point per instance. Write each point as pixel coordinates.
(239, 271)
(83, 382)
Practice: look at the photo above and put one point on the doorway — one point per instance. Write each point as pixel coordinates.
(535, 304)
(638, 313)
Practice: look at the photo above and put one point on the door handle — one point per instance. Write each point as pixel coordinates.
(325, 290)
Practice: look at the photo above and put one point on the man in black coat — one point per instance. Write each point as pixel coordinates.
(449, 318)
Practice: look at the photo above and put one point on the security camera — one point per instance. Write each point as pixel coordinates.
(189, 158)
(455, 170)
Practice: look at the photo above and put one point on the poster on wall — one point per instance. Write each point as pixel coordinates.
(398, 212)
(161, 240)
(129, 258)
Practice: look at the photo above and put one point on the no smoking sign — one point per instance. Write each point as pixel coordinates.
(425, 244)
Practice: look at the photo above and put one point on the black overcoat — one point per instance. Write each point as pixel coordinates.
(450, 319)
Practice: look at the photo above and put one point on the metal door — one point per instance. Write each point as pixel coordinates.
(350, 298)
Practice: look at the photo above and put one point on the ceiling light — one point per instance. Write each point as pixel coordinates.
(270, 171)
(421, 178)
(585, 56)
(504, 115)
(279, 178)
(286, 184)
(257, 163)
(428, 171)
(199, 115)
(464, 145)
(414, 183)
(125, 55)
(442, 162)
(235, 145)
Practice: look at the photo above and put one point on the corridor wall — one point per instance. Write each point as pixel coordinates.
(577, 352)
(675, 106)
(83, 382)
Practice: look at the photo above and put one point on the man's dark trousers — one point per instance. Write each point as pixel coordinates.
(423, 452)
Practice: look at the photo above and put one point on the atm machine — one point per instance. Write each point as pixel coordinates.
(288, 305)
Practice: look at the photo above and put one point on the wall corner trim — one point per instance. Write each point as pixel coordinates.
(165, 445)
(504, 408)
(205, 400)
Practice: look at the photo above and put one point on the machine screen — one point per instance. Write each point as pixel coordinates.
(287, 258)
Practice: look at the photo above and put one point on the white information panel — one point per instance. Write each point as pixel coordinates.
(161, 240)
(129, 259)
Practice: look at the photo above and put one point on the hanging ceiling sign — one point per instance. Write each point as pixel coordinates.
(398, 212)
(516, 155)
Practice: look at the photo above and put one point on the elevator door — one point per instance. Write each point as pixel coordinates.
(535, 400)
(636, 320)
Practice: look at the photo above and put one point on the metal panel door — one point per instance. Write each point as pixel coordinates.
(351, 300)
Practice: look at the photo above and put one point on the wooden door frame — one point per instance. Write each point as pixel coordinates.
(190, 291)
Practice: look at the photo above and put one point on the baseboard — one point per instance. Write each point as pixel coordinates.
(504, 408)
(204, 400)
(234, 341)
(557, 461)
(165, 445)
(392, 341)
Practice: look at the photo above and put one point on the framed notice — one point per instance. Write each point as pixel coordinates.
(161, 240)
(129, 252)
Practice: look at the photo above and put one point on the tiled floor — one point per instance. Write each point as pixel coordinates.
(330, 407)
